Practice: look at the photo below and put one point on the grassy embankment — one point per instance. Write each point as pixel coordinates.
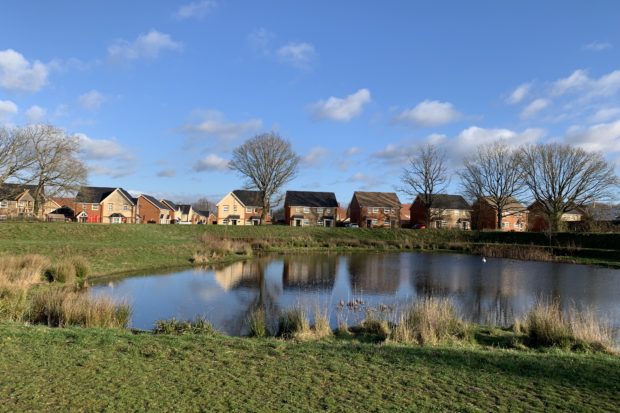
(122, 248)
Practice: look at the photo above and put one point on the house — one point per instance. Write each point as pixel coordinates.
(174, 210)
(152, 211)
(16, 201)
(405, 216)
(105, 205)
(537, 221)
(514, 216)
(447, 211)
(602, 217)
(306, 208)
(342, 216)
(200, 217)
(375, 209)
(186, 214)
(64, 206)
(240, 207)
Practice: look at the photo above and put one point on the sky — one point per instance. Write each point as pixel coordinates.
(160, 92)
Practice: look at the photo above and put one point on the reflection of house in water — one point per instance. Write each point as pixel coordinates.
(238, 275)
(375, 273)
(309, 272)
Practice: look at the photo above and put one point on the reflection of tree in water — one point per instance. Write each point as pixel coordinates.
(311, 272)
(373, 273)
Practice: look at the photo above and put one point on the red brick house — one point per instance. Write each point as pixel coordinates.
(151, 211)
(375, 209)
(307, 208)
(514, 216)
(447, 211)
(537, 221)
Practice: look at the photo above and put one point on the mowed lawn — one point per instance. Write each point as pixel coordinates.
(75, 369)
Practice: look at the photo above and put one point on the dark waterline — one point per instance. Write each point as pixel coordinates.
(495, 292)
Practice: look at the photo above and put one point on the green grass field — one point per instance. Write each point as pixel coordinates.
(75, 369)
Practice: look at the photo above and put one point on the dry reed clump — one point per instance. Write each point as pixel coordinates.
(200, 325)
(258, 323)
(69, 270)
(58, 307)
(517, 252)
(22, 272)
(545, 325)
(375, 325)
(429, 321)
(294, 324)
(214, 247)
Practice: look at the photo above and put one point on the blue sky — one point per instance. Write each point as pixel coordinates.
(161, 92)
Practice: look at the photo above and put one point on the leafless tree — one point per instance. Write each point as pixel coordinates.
(204, 204)
(15, 153)
(426, 176)
(56, 168)
(268, 162)
(493, 174)
(563, 177)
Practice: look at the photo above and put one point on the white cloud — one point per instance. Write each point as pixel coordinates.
(364, 181)
(147, 46)
(35, 114)
(342, 109)
(17, 73)
(519, 93)
(315, 156)
(534, 107)
(213, 123)
(92, 100)
(605, 114)
(196, 10)
(354, 150)
(298, 54)
(576, 80)
(166, 173)
(430, 113)
(604, 137)
(211, 162)
(597, 46)
(261, 39)
(100, 149)
(579, 81)
(7, 110)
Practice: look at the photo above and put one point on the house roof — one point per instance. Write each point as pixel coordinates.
(171, 205)
(185, 208)
(96, 194)
(202, 213)
(446, 201)
(512, 204)
(13, 191)
(249, 198)
(537, 205)
(377, 199)
(310, 199)
(154, 201)
(604, 212)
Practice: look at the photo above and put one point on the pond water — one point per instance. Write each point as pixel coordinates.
(345, 286)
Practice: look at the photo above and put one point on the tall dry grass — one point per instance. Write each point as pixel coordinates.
(294, 324)
(516, 252)
(22, 271)
(214, 247)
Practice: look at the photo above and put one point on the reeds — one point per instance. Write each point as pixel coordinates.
(22, 272)
(215, 247)
(516, 252)
(258, 323)
(199, 325)
(294, 324)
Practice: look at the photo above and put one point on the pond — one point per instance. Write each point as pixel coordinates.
(345, 286)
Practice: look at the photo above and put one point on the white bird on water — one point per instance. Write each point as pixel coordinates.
(484, 259)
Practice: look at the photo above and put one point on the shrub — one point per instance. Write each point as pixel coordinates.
(374, 326)
(62, 272)
(293, 324)
(429, 321)
(258, 323)
(199, 325)
(22, 272)
(82, 267)
(321, 326)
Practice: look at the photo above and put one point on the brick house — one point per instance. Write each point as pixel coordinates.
(448, 211)
(306, 208)
(173, 210)
(16, 201)
(514, 216)
(152, 211)
(375, 209)
(105, 205)
(405, 216)
(240, 207)
(537, 221)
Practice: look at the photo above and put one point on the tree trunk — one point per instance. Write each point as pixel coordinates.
(499, 218)
(264, 212)
(427, 217)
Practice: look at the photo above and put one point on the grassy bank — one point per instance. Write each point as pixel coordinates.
(123, 248)
(115, 370)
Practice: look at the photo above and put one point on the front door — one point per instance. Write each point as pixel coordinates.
(369, 223)
(233, 222)
(298, 222)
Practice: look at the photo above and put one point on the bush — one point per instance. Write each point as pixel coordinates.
(82, 267)
(429, 321)
(173, 326)
(258, 323)
(293, 324)
(61, 272)
(22, 272)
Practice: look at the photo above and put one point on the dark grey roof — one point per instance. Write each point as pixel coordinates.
(377, 199)
(310, 199)
(169, 204)
(185, 208)
(446, 201)
(154, 201)
(96, 194)
(202, 213)
(604, 212)
(10, 192)
(249, 198)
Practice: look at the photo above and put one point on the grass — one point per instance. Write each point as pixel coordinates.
(115, 370)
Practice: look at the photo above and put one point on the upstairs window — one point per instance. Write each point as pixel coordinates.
(225, 207)
(235, 208)
(319, 210)
(4, 204)
(125, 207)
(110, 207)
(95, 207)
(306, 210)
(375, 210)
(386, 210)
(248, 210)
(328, 211)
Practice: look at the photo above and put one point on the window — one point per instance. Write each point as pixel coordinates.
(110, 207)
(328, 211)
(505, 224)
(235, 208)
(306, 210)
(4, 204)
(375, 210)
(319, 210)
(225, 208)
(375, 222)
(386, 210)
(306, 222)
(116, 220)
(248, 210)
(95, 207)
(22, 203)
(125, 207)
(297, 209)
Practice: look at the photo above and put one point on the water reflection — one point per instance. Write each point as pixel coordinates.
(493, 292)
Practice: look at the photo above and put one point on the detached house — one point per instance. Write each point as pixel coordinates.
(105, 205)
(173, 210)
(447, 211)
(537, 221)
(240, 207)
(185, 215)
(305, 208)
(151, 211)
(514, 216)
(16, 201)
(375, 209)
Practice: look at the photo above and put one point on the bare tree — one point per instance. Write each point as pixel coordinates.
(268, 162)
(426, 176)
(493, 174)
(563, 177)
(15, 153)
(204, 204)
(56, 168)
